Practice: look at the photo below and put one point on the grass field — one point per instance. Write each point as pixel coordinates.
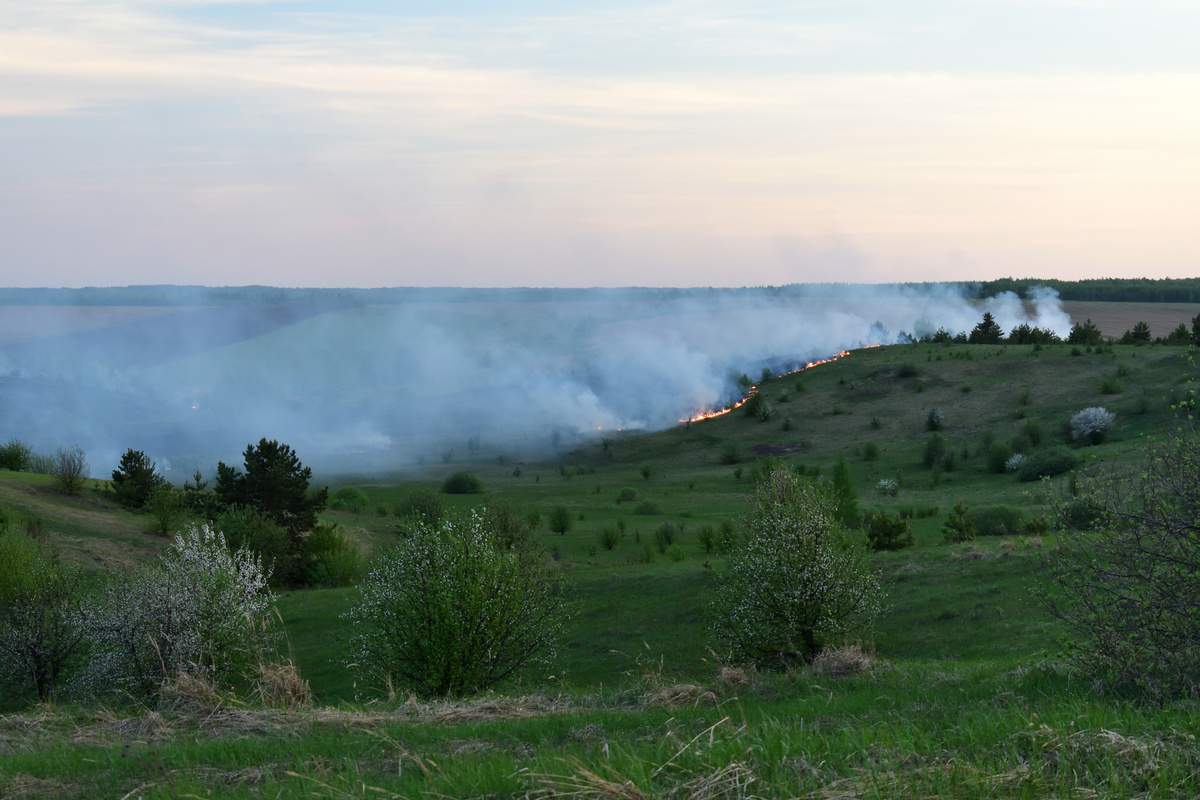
(966, 697)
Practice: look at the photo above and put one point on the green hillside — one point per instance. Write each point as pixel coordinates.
(969, 652)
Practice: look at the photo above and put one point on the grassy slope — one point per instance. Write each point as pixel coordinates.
(958, 714)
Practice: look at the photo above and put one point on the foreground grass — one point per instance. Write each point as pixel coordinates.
(920, 729)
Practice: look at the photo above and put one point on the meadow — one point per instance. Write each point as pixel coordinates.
(960, 689)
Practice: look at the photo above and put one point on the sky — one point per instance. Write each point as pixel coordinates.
(531, 143)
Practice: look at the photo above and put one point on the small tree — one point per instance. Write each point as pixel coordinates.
(166, 508)
(796, 579)
(1130, 576)
(845, 498)
(15, 455)
(1085, 333)
(987, 331)
(41, 635)
(959, 527)
(200, 609)
(451, 612)
(134, 479)
(70, 468)
(887, 532)
(559, 520)
(1089, 425)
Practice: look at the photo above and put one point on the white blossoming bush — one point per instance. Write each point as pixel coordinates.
(888, 486)
(1014, 462)
(1089, 425)
(798, 579)
(453, 610)
(201, 609)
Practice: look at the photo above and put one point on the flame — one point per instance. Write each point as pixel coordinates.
(754, 388)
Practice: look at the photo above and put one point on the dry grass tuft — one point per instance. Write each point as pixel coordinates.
(971, 552)
(491, 709)
(733, 676)
(684, 694)
(108, 727)
(189, 693)
(837, 662)
(731, 781)
(22, 785)
(584, 783)
(1008, 547)
(280, 686)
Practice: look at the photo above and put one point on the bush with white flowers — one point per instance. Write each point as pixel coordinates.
(1014, 462)
(454, 609)
(797, 581)
(201, 609)
(1089, 425)
(888, 486)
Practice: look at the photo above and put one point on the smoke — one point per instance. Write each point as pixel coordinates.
(384, 387)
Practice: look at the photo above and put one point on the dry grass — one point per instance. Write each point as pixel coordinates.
(189, 693)
(684, 694)
(280, 686)
(733, 677)
(837, 662)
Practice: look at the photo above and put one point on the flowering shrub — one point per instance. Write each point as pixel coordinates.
(1089, 425)
(934, 420)
(1014, 462)
(796, 580)
(888, 486)
(452, 611)
(200, 609)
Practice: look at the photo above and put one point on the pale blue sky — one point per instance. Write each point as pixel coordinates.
(567, 144)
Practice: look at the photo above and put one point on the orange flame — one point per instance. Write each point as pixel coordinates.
(754, 388)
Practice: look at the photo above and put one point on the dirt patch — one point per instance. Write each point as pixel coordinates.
(1113, 319)
(776, 450)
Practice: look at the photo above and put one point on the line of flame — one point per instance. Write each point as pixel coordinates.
(754, 388)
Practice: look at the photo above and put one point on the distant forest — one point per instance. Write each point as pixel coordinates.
(1142, 290)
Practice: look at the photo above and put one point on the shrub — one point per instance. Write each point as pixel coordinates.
(200, 610)
(934, 420)
(707, 537)
(1000, 520)
(166, 508)
(331, 558)
(998, 456)
(888, 486)
(250, 529)
(727, 537)
(1089, 425)
(134, 479)
(907, 370)
(609, 538)
(1032, 432)
(887, 532)
(1047, 463)
(462, 483)
(626, 495)
(842, 491)
(70, 469)
(559, 520)
(1014, 463)
(731, 452)
(1111, 385)
(647, 507)
(935, 450)
(450, 612)
(1129, 583)
(958, 527)
(422, 504)
(796, 581)
(870, 451)
(351, 499)
(274, 482)
(676, 554)
(666, 535)
(15, 455)
(41, 630)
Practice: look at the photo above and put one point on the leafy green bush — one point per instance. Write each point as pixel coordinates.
(676, 553)
(15, 455)
(560, 520)
(423, 504)
(666, 535)
(999, 520)
(41, 618)
(609, 537)
(1047, 463)
(351, 499)
(626, 495)
(934, 451)
(450, 612)
(647, 507)
(248, 528)
(797, 581)
(731, 452)
(998, 455)
(870, 451)
(907, 370)
(331, 558)
(707, 537)
(958, 527)
(462, 483)
(887, 532)
(166, 508)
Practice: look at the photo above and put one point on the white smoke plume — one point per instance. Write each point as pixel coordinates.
(385, 386)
